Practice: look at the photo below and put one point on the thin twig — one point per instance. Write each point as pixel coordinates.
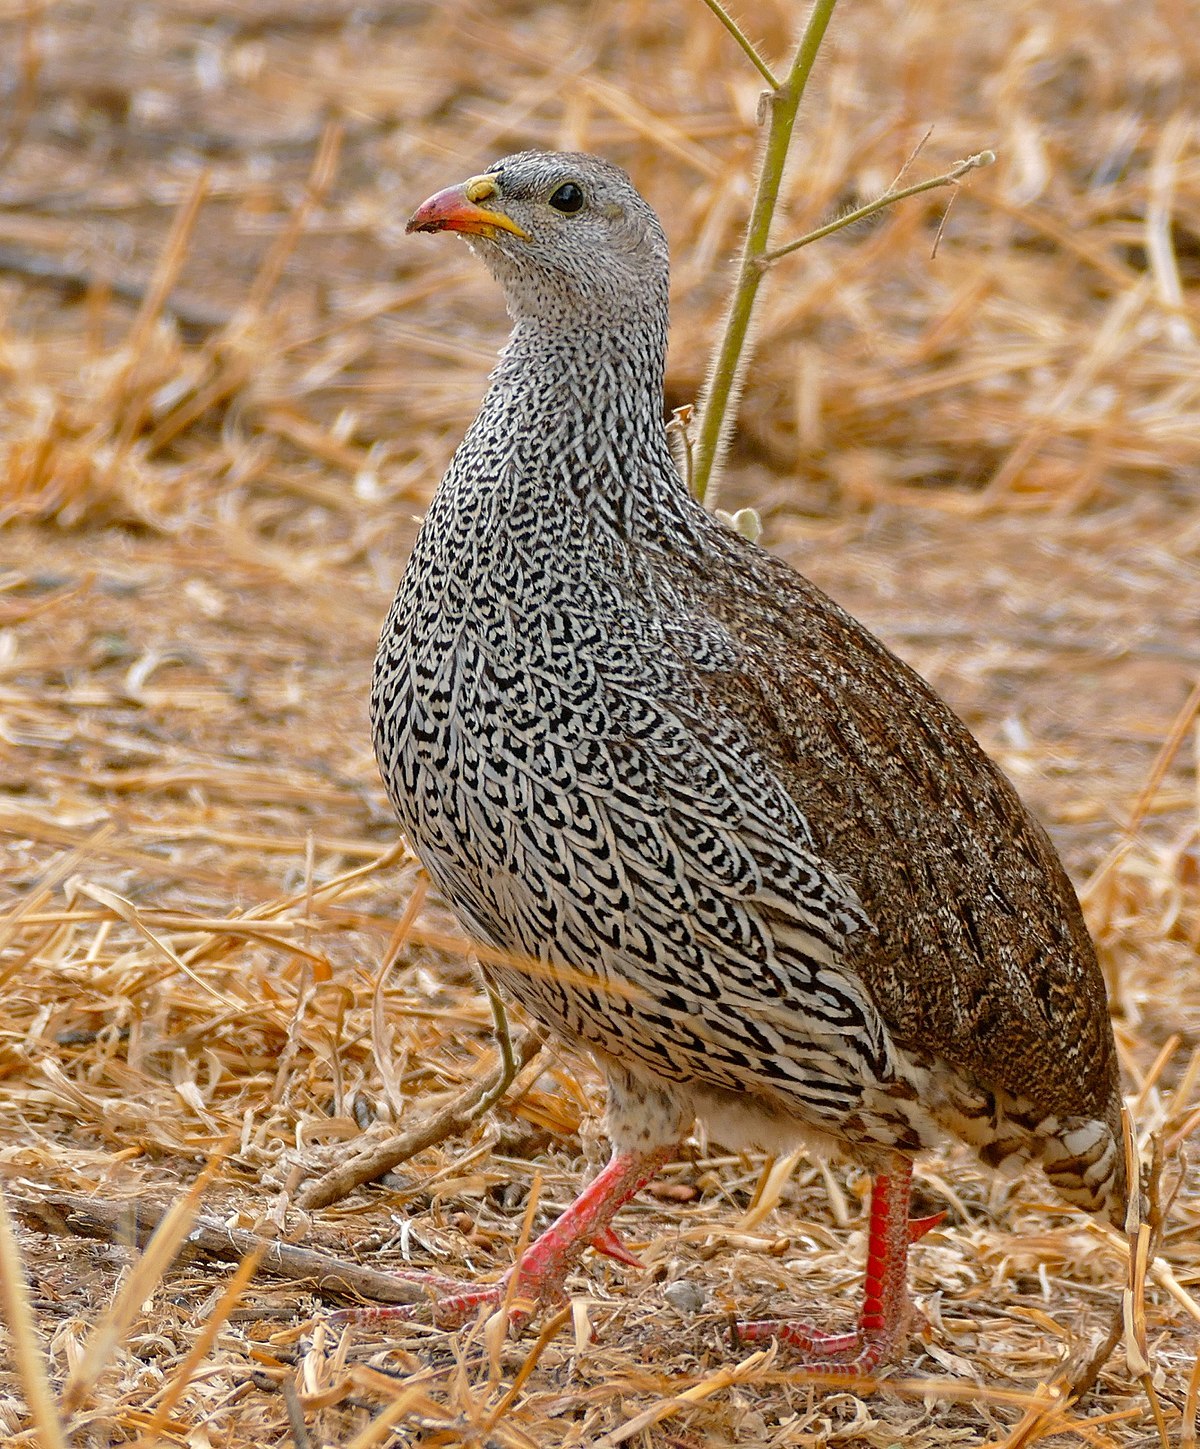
(508, 1061)
(376, 1158)
(295, 1413)
(889, 198)
(744, 41)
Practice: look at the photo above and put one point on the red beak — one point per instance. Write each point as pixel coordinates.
(457, 209)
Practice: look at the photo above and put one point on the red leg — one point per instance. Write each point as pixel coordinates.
(885, 1307)
(543, 1267)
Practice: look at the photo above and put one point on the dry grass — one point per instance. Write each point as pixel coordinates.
(228, 386)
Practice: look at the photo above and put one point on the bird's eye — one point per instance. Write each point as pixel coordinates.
(568, 197)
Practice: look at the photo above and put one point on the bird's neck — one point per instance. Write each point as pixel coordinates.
(578, 412)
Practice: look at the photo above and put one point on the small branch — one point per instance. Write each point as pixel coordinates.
(889, 198)
(133, 1223)
(376, 1158)
(295, 1412)
(744, 41)
(732, 357)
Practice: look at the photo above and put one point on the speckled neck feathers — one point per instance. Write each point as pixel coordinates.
(573, 418)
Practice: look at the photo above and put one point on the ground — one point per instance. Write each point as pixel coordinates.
(230, 385)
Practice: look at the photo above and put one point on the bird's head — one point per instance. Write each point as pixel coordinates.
(565, 234)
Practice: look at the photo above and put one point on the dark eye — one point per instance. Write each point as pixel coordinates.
(568, 197)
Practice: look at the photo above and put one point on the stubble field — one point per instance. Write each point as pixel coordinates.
(228, 386)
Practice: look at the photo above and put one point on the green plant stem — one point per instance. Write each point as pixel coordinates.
(744, 41)
(948, 178)
(509, 1066)
(732, 355)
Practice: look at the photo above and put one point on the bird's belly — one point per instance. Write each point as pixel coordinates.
(590, 947)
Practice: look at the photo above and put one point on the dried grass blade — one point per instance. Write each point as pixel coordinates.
(713, 1383)
(383, 1057)
(1172, 145)
(30, 1361)
(1191, 1408)
(58, 870)
(1170, 748)
(1155, 1071)
(548, 1331)
(159, 1253)
(207, 1336)
(767, 1193)
(324, 168)
(170, 264)
(1133, 1296)
(129, 913)
(1042, 1417)
(1160, 1423)
(406, 1399)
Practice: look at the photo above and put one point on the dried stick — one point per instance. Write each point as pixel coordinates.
(376, 1158)
(134, 1223)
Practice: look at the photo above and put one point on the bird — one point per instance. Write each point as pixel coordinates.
(708, 827)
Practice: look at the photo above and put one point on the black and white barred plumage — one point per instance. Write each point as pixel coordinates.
(795, 896)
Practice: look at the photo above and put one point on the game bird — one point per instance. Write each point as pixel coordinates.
(722, 837)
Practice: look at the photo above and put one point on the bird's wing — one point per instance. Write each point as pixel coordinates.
(979, 952)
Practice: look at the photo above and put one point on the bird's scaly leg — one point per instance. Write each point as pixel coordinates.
(885, 1309)
(542, 1269)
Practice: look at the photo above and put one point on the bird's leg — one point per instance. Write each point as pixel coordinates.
(546, 1262)
(885, 1308)
(542, 1269)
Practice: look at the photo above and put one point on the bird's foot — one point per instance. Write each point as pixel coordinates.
(537, 1280)
(852, 1355)
(451, 1302)
(883, 1323)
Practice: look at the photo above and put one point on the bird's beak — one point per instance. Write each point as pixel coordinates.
(458, 209)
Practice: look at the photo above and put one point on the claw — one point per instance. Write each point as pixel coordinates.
(918, 1227)
(607, 1242)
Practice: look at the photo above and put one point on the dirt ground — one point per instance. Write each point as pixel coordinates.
(228, 386)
